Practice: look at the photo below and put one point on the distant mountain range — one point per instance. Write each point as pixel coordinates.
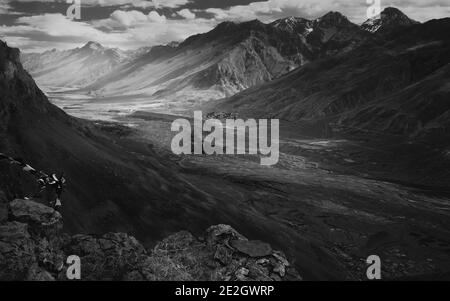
(229, 59)
(294, 68)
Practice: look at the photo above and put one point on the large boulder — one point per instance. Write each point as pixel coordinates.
(221, 234)
(42, 219)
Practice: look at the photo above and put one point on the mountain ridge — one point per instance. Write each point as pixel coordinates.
(222, 62)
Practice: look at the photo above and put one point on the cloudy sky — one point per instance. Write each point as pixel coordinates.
(38, 25)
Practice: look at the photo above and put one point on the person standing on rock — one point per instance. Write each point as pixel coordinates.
(54, 185)
(51, 184)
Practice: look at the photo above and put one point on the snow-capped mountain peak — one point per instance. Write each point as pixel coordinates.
(389, 19)
(293, 24)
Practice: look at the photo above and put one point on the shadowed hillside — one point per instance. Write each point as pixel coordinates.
(395, 87)
(113, 183)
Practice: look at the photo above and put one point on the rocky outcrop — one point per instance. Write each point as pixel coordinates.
(41, 218)
(33, 247)
(222, 255)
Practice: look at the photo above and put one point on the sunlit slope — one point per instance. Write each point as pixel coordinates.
(72, 68)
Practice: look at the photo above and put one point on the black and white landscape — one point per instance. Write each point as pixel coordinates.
(364, 114)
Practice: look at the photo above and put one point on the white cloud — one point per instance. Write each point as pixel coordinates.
(154, 29)
(187, 14)
(124, 29)
(120, 19)
(49, 30)
(57, 25)
(274, 9)
(134, 17)
(154, 17)
(354, 10)
(128, 18)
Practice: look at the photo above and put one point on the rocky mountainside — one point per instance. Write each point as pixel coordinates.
(296, 25)
(329, 35)
(229, 59)
(34, 248)
(233, 57)
(390, 19)
(72, 68)
(398, 86)
(390, 95)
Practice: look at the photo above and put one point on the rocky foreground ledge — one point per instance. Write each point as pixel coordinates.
(33, 247)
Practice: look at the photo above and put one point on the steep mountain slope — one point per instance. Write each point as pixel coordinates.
(113, 183)
(415, 59)
(390, 19)
(230, 58)
(72, 68)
